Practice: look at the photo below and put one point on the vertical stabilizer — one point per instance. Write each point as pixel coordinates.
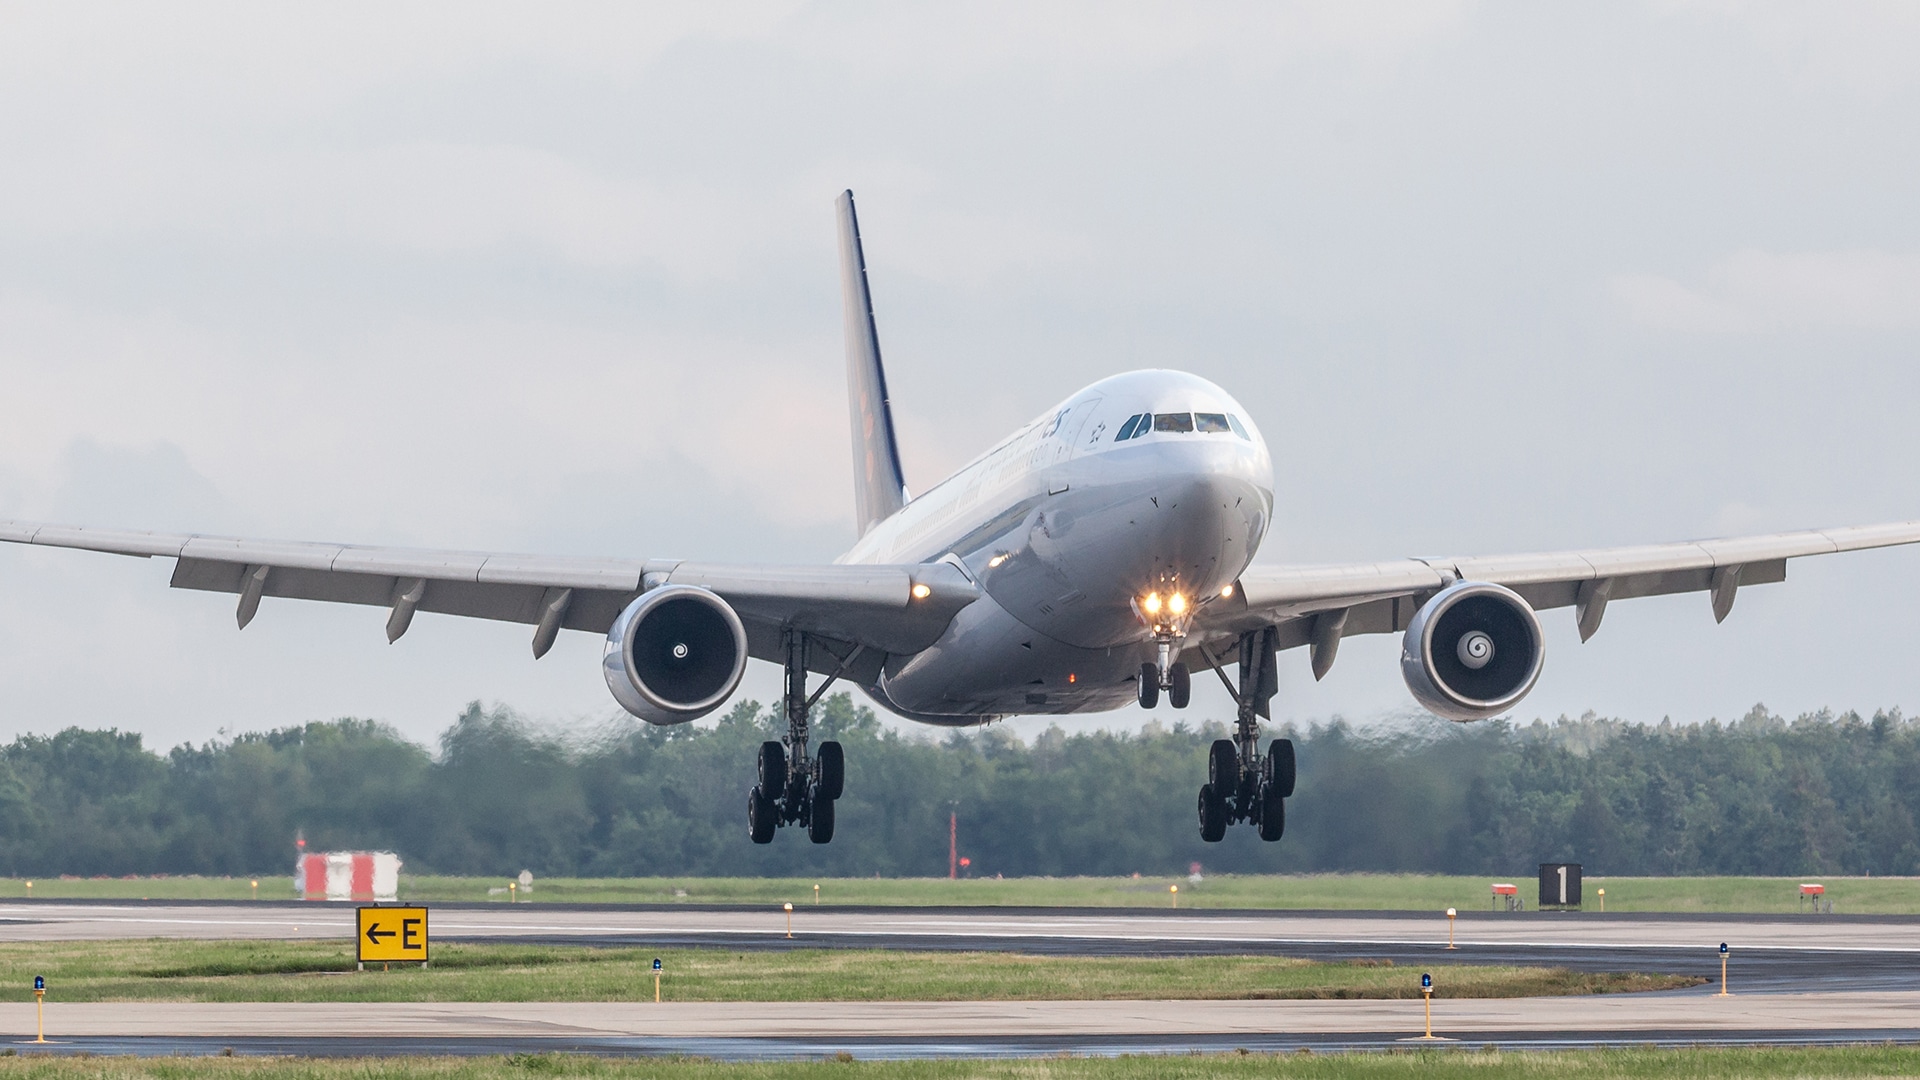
(879, 487)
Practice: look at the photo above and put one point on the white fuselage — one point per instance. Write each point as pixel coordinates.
(1066, 529)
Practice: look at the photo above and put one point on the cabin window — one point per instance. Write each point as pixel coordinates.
(1126, 429)
(1237, 429)
(1210, 421)
(1173, 421)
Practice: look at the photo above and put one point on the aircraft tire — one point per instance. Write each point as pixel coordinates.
(1281, 767)
(761, 817)
(1181, 690)
(1223, 767)
(1273, 813)
(833, 771)
(773, 770)
(1213, 815)
(1149, 685)
(820, 822)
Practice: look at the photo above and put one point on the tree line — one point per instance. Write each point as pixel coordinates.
(1761, 795)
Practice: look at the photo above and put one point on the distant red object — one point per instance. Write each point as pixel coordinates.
(964, 861)
(347, 875)
(1501, 888)
(1812, 890)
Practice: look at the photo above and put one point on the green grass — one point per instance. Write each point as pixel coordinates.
(1400, 892)
(171, 970)
(1712, 1064)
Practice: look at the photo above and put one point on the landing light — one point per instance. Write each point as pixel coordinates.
(1227, 593)
(996, 560)
(1152, 603)
(1176, 603)
(921, 592)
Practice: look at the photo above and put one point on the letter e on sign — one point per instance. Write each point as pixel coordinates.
(392, 933)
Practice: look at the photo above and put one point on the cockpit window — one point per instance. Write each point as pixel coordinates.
(1206, 423)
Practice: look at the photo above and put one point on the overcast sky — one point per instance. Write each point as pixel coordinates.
(1491, 277)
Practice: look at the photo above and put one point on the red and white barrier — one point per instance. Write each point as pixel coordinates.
(348, 875)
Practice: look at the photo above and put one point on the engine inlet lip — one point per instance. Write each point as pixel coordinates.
(665, 594)
(1464, 590)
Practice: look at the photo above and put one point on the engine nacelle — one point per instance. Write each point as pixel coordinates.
(1473, 651)
(674, 654)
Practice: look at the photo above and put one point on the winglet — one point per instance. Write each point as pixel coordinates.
(879, 486)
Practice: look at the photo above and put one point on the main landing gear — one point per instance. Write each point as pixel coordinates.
(1242, 783)
(795, 788)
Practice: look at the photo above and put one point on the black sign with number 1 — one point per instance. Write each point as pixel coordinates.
(1559, 884)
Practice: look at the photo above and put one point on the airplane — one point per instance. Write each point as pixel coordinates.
(1101, 555)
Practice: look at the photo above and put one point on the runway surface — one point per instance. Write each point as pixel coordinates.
(970, 1029)
(1030, 929)
(1805, 979)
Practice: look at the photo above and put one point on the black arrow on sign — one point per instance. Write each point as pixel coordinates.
(374, 933)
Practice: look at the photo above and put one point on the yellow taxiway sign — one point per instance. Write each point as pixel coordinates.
(393, 933)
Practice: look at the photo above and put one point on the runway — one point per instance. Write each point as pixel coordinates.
(1021, 929)
(968, 1029)
(1806, 979)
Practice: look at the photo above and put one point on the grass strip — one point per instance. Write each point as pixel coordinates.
(1379, 892)
(304, 971)
(1628, 1064)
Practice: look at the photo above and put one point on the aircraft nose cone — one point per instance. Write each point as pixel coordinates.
(1174, 517)
(1203, 530)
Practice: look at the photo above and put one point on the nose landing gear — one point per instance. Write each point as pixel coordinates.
(1242, 783)
(1166, 675)
(795, 788)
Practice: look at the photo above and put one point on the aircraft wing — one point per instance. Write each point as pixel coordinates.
(1318, 605)
(870, 606)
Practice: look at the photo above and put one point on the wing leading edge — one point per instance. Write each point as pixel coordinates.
(1318, 605)
(865, 605)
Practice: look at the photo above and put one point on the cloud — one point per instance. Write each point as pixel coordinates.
(1075, 41)
(1754, 291)
(241, 59)
(433, 198)
(1865, 45)
(418, 430)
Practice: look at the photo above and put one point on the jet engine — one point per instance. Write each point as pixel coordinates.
(674, 654)
(1472, 652)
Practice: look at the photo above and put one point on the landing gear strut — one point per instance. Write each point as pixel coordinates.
(1167, 675)
(1242, 783)
(794, 788)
